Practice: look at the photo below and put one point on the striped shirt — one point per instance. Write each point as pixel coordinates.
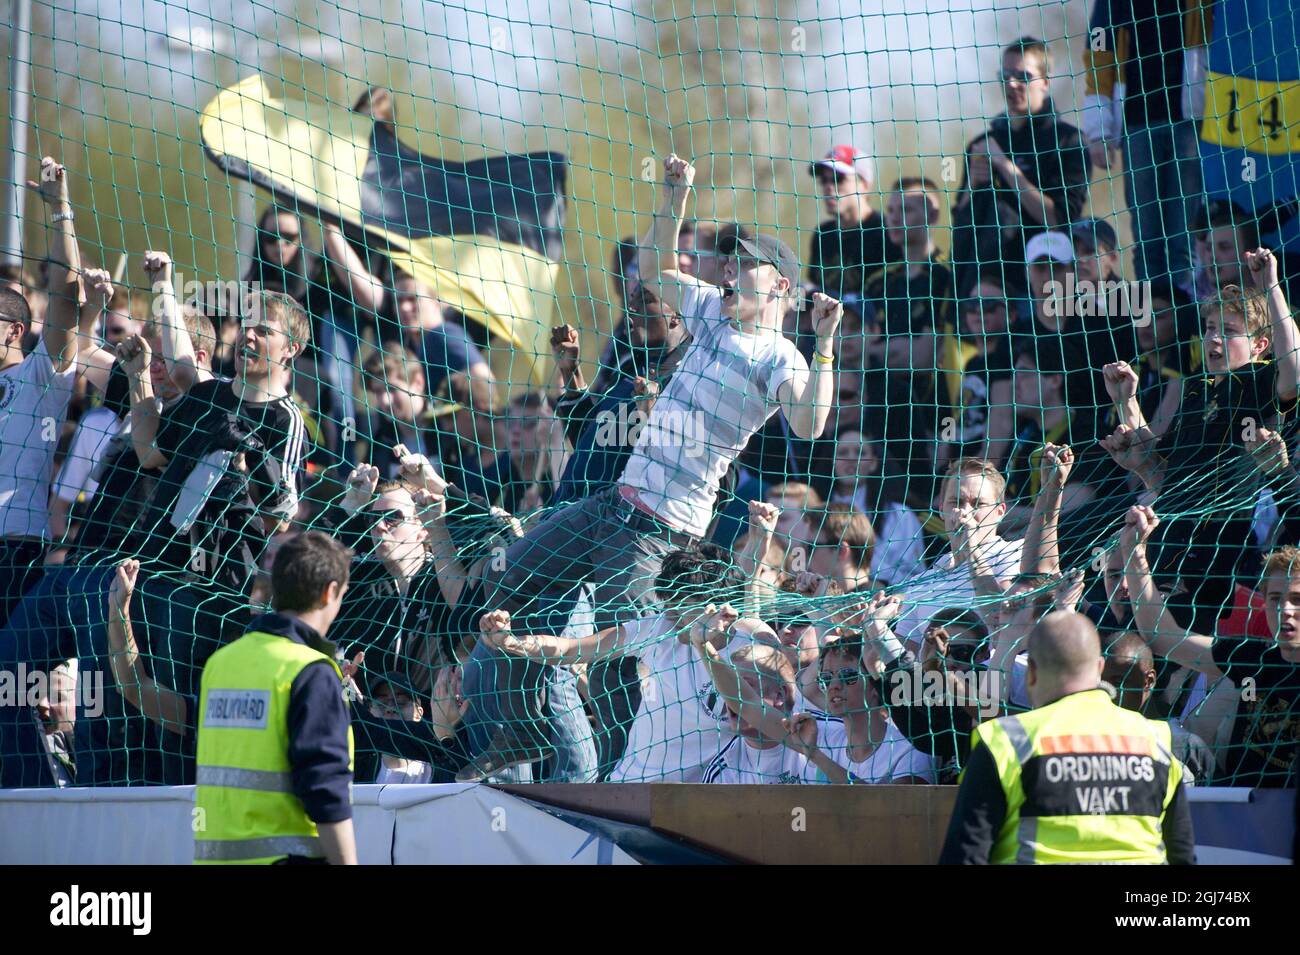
(721, 394)
(226, 537)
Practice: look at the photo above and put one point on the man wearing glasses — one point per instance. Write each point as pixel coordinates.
(1029, 172)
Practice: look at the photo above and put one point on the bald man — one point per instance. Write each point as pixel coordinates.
(1075, 780)
(1131, 670)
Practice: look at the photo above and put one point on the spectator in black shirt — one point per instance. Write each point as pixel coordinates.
(1068, 334)
(247, 434)
(914, 300)
(1028, 173)
(397, 410)
(1266, 735)
(852, 244)
(984, 424)
(1201, 465)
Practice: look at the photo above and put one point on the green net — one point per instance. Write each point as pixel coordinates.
(757, 465)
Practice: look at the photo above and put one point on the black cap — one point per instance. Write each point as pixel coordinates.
(1096, 234)
(769, 249)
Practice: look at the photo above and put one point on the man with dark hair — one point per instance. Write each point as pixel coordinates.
(1130, 671)
(274, 742)
(1029, 172)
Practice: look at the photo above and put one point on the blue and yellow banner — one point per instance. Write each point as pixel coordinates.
(1250, 138)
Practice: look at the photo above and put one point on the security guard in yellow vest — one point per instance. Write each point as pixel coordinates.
(275, 743)
(1077, 779)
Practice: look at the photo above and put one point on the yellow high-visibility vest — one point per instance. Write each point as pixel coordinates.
(246, 811)
(1084, 780)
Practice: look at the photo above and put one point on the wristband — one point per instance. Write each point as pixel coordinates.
(818, 356)
(63, 216)
(891, 648)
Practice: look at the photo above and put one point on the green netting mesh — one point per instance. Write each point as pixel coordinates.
(757, 465)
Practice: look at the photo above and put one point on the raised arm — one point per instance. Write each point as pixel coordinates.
(64, 279)
(494, 627)
(1286, 337)
(762, 529)
(1154, 621)
(657, 255)
(565, 349)
(807, 399)
(163, 705)
(177, 348)
(94, 361)
(135, 356)
(1040, 553)
(364, 286)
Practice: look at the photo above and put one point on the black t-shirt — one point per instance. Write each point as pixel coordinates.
(1081, 348)
(1206, 462)
(227, 538)
(124, 488)
(907, 304)
(1267, 730)
(840, 260)
(399, 634)
(978, 377)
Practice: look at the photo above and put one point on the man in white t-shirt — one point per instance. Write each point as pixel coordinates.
(973, 507)
(740, 370)
(34, 394)
(772, 743)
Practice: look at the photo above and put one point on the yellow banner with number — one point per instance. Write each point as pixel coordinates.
(1255, 115)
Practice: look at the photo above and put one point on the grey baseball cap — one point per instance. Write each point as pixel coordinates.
(769, 249)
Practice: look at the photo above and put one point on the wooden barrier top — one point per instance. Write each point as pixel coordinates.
(823, 825)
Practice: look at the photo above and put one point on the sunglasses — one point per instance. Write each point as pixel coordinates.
(984, 305)
(1023, 77)
(848, 676)
(389, 518)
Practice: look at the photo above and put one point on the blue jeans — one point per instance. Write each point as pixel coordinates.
(598, 547)
(571, 756)
(1162, 185)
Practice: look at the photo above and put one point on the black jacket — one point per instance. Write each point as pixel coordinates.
(318, 726)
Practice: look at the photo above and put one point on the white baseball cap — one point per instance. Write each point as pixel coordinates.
(1056, 246)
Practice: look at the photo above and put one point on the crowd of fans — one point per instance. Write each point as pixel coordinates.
(770, 541)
